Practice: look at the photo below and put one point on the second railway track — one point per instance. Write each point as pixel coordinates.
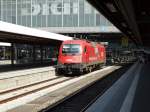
(9, 95)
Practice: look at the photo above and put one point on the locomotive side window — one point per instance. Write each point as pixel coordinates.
(71, 48)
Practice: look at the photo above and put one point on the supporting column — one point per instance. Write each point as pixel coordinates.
(62, 14)
(1, 10)
(34, 54)
(4, 52)
(31, 13)
(78, 14)
(41, 50)
(16, 12)
(15, 54)
(12, 53)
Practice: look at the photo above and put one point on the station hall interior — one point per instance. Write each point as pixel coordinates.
(74, 18)
(31, 37)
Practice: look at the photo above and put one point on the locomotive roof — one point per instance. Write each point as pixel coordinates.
(75, 41)
(82, 42)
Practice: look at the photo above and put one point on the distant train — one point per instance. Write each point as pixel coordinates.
(79, 56)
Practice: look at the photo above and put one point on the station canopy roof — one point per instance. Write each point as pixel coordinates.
(132, 17)
(20, 34)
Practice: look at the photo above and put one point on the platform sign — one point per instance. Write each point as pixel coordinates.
(124, 41)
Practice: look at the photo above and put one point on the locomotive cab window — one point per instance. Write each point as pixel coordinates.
(71, 48)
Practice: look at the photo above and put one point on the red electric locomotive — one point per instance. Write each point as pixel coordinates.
(80, 56)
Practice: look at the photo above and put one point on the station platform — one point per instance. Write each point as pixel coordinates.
(18, 76)
(7, 67)
(131, 93)
(141, 101)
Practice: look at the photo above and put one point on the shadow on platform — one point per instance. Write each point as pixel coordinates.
(141, 101)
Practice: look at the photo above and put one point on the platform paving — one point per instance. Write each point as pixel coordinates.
(115, 97)
(141, 101)
(137, 97)
(18, 78)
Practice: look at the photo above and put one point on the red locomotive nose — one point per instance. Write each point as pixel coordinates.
(70, 53)
(72, 59)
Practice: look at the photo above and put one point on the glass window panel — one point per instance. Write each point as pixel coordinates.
(0, 10)
(34, 21)
(59, 21)
(86, 21)
(28, 22)
(102, 21)
(75, 20)
(39, 19)
(43, 22)
(19, 20)
(97, 19)
(81, 13)
(23, 20)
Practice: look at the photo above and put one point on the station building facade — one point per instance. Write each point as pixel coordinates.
(54, 15)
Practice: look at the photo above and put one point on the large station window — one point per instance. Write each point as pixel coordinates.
(50, 54)
(5, 55)
(37, 53)
(24, 54)
(34, 53)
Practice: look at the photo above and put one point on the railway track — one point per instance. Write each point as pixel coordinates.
(9, 95)
(15, 93)
(81, 100)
